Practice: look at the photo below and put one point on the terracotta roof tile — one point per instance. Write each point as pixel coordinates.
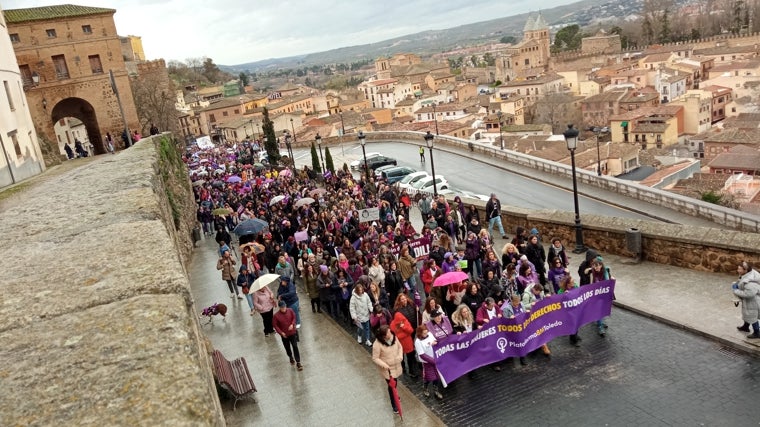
(15, 16)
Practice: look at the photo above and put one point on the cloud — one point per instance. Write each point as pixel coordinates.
(238, 31)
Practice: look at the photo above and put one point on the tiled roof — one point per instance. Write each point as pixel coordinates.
(658, 57)
(650, 128)
(541, 80)
(605, 96)
(733, 136)
(15, 16)
(747, 159)
(725, 50)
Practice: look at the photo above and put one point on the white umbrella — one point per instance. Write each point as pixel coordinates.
(264, 281)
(276, 199)
(304, 201)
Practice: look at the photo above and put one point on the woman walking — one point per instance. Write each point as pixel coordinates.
(388, 354)
(748, 290)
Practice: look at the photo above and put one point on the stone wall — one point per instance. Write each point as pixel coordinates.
(99, 322)
(697, 248)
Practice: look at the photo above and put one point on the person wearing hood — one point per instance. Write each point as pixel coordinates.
(747, 288)
(360, 308)
(387, 353)
(535, 253)
(585, 265)
(520, 239)
(287, 292)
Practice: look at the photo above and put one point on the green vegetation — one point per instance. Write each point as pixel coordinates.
(315, 159)
(270, 140)
(329, 160)
(568, 38)
(508, 39)
(170, 165)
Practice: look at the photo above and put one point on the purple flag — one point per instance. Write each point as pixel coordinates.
(551, 317)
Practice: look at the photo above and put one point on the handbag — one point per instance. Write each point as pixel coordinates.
(245, 290)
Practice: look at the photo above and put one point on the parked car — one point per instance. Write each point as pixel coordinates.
(425, 185)
(379, 171)
(410, 179)
(451, 192)
(378, 161)
(264, 157)
(356, 164)
(395, 174)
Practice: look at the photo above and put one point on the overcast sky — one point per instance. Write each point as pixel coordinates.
(233, 32)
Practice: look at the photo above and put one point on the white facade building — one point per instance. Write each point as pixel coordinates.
(21, 157)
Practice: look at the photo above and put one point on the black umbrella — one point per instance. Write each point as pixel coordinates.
(250, 226)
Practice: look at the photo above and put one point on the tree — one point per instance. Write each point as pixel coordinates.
(489, 59)
(329, 161)
(556, 109)
(270, 141)
(664, 34)
(243, 79)
(315, 160)
(508, 39)
(211, 72)
(153, 93)
(568, 38)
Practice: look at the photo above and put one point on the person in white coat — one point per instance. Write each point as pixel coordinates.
(360, 308)
(748, 291)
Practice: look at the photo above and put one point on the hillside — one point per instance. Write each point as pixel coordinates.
(427, 43)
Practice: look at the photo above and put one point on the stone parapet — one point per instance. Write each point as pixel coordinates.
(100, 326)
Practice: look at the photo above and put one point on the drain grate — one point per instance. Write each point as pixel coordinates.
(730, 351)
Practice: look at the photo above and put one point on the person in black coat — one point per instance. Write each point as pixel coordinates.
(394, 283)
(473, 298)
(536, 254)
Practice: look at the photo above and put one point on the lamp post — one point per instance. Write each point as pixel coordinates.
(258, 132)
(571, 139)
(501, 133)
(598, 158)
(362, 141)
(319, 144)
(290, 151)
(342, 132)
(429, 139)
(435, 118)
(250, 122)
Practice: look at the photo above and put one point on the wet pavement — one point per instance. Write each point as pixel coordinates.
(339, 386)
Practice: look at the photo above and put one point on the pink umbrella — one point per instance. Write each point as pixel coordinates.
(286, 172)
(446, 279)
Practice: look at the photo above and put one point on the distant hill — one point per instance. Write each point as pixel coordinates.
(434, 41)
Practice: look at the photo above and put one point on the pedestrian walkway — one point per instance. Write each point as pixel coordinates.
(339, 386)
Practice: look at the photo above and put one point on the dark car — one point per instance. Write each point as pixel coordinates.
(378, 161)
(395, 174)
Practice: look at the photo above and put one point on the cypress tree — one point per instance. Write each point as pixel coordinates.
(329, 161)
(270, 141)
(315, 159)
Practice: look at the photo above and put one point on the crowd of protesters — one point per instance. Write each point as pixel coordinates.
(362, 273)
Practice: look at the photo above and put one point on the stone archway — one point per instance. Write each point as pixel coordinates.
(82, 110)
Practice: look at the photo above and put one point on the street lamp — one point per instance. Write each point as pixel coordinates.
(429, 139)
(290, 151)
(250, 122)
(571, 139)
(501, 133)
(258, 132)
(364, 152)
(319, 144)
(598, 158)
(435, 118)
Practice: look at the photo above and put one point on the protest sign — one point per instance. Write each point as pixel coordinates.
(418, 248)
(369, 214)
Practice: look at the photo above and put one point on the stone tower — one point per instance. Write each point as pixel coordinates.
(537, 29)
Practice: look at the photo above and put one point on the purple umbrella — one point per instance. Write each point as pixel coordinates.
(234, 179)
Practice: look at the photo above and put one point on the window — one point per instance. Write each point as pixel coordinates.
(9, 95)
(211, 118)
(86, 29)
(16, 145)
(26, 75)
(95, 65)
(51, 33)
(224, 113)
(15, 38)
(61, 69)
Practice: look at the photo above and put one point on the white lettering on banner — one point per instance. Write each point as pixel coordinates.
(369, 214)
(419, 248)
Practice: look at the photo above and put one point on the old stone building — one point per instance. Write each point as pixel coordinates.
(65, 54)
(529, 57)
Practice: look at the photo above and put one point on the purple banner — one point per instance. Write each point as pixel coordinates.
(551, 317)
(418, 248)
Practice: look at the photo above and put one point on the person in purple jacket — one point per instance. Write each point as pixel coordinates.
(439, 326)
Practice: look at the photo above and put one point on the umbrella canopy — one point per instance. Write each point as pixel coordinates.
(286, 172)
(393, 383)
(250, 226)
(198, 183)
(276, 199)
(247, 166)
(203, 161)
(201, 173)
(303, 202)
(317, 192)
(259, 165)
(221, 211)
(264, 281)
(446, 279)
(234, 179)
(257, 248)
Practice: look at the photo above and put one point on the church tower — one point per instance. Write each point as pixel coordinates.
(537, 29)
